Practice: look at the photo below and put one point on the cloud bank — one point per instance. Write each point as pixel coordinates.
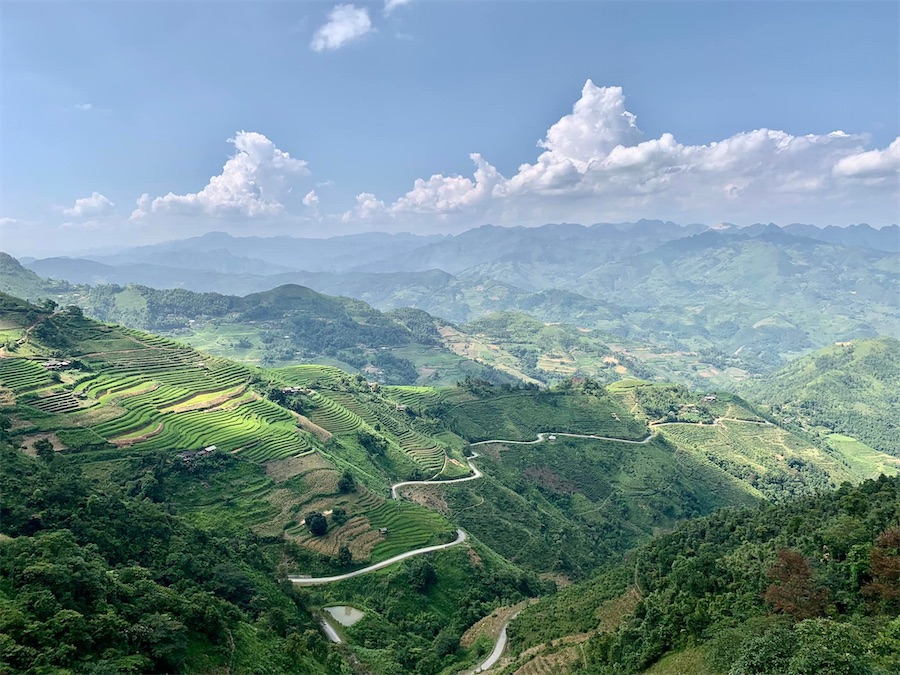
(94, 205)
(592, 165)
(596, 164)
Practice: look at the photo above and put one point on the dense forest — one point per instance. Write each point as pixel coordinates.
(100, 578)
(803, 588)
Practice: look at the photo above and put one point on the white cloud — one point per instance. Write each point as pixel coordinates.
(368, 206)
(345, 24)
(85, 107)
(250, 184)
(877, 164)
(95, 205)
(391, 5)
(596, 164)
(311, 198)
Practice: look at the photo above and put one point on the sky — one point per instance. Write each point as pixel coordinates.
(135, 122)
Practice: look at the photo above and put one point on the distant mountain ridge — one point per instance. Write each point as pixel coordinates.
(765, 291)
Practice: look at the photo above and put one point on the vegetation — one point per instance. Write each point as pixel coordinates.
(94, 580)
(481, 411)
(298, 482)
(851, 389)
(807, 587)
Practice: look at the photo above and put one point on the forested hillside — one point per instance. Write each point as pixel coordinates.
(804, 588)
(97, 577)
(310, 471)
(851, 389)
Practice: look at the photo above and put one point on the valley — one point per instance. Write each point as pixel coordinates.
(463, 499)
(430, 474)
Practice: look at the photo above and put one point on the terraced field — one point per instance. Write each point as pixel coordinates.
(768, 457)
(23, 375)
(522, 415)
(333, 416)
(408, 527)
(310, 375)
(417, 398)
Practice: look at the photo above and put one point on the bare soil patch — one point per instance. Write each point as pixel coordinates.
(31, 439)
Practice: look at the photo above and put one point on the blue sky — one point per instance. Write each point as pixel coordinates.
(379, 110)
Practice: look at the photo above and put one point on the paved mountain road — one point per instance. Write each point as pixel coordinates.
(461, 536)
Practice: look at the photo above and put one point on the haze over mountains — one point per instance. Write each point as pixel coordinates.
(764, 291)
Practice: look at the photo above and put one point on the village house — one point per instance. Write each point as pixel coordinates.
(53, 364)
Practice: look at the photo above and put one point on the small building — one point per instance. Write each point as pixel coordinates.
(383, 530)
(53, 364)
(551, 437)
(709, 397)
(294, 390)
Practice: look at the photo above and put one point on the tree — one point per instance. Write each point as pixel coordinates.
(422, 575)
(344, 557)
(316, 523)
(794, 590)
(372, 443)
(44, 449)
(826, 646)
(884, 566)
(346, 483)
(275, 394)
(339, 516)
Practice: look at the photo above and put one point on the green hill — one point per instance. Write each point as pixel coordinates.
(852, 389)
(21, 282)
(803, 588)
(130, 410)
(95, 578)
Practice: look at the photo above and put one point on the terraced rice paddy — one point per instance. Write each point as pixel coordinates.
(23, 375)
(161, 396)
(408, 527)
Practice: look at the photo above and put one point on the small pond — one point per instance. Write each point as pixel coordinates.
(345, 615)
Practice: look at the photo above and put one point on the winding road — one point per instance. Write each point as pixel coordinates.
(502, 639)
(461, 536)
(476, 474)
(499, 648)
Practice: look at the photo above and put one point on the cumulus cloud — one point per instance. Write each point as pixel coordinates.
(345, 24)
(877, 164)
(391, 5)
(596, 163)
(85, 107)
(94, 205)
(311, 198)
(251, 183)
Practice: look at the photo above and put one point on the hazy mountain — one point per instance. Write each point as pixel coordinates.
(24, 283)
(883, 239)
(294, 253)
